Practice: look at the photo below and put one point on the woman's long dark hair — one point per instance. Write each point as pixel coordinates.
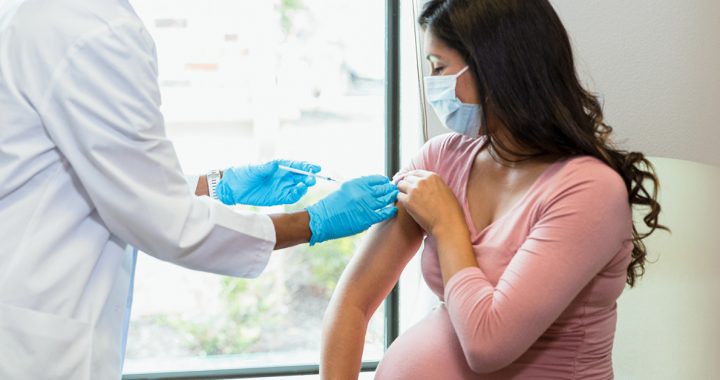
(521, 56)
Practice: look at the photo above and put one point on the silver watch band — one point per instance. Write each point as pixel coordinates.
(213, 178)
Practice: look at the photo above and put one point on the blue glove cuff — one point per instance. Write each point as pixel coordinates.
(223, 192)
(317, 233)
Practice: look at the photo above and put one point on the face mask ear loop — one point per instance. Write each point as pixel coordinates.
(461, 72)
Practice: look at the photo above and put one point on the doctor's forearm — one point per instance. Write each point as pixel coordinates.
(202, 186)
(291, 229)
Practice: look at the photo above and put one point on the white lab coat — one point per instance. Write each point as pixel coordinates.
(85, 169)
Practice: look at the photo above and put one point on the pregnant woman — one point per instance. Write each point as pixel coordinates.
(525, 211)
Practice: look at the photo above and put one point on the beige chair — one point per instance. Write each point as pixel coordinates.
(669, 324)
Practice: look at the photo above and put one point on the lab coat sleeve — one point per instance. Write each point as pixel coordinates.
(102, 111)
(192, 181)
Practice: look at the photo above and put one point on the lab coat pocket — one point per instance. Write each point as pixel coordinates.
(35, 345)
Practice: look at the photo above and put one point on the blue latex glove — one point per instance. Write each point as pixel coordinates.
(266, 184)
(358, 204)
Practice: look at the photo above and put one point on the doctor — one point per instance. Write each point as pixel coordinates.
(85, 169)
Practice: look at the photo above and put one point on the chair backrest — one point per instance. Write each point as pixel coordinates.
(668, 325)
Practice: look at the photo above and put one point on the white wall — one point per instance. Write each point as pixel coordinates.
(657, 65)
(657, 62)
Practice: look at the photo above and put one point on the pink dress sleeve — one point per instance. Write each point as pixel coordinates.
(578, 231)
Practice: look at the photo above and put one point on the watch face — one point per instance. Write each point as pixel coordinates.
(213, 175)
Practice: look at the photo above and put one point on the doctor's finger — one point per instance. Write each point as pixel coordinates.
(381, 190)
(301, 165)
(302, 186)
(297, 192)
(295, 178)
(374, 180)
(308, 180)
(387, 199)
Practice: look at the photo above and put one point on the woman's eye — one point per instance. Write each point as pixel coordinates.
(438, 70)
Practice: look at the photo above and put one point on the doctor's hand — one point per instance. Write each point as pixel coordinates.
(358, 204)
(266, 184)
(430, 202)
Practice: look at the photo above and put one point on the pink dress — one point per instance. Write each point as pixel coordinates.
(542, 304)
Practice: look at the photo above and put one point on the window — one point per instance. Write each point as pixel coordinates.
(248, 81)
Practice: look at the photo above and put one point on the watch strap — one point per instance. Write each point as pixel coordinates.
(213, 179)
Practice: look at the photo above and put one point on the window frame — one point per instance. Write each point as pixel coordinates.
(392, 166)
(242, 373)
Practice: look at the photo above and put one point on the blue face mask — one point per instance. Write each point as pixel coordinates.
(464, 119)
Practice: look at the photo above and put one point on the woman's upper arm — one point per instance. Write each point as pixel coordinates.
(389, 246)
(377, 265)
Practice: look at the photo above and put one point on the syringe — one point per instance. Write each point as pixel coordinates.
(298, 171)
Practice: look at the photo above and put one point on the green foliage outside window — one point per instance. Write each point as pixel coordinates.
(276, 311)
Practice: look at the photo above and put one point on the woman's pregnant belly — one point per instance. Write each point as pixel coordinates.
(429, 350)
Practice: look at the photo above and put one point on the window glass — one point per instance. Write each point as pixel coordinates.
(245, 82)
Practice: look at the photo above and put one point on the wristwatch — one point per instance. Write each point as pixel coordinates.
(213, 178)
